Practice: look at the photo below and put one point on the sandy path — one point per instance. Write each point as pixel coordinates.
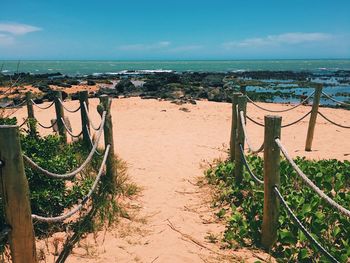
(164, 147)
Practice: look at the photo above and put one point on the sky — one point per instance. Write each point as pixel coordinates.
(174, 30)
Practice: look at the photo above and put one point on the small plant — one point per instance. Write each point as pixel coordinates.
(326, 224)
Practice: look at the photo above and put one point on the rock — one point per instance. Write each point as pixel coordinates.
(91, 82)
(125, 86)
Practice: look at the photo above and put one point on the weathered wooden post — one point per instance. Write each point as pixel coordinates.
(15, 196)
(242, 106)
(313, 117)
(83, 97)
(271, 179)
(111, 166)
(30, 110)
(233, 126)
(59, 116)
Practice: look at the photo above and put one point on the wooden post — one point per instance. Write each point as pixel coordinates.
(313, 117)
(15, 196)
(85, 124)
(242, 106)
(59, 116)
(233, 126)
(31, 118)
(111, 167)
(271, 179)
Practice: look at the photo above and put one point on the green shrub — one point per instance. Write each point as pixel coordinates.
(329, 227)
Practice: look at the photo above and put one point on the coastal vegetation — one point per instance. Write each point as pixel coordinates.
(51, 198)
(241, 207)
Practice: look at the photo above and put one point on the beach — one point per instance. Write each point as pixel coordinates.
(167, 148)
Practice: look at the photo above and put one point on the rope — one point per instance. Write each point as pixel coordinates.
(40, 107)
(295, 122)
(79, 169)
(87, 114)
(245, 162)
(302, 228)
(69, 131)
(47, 127)
(71, 111)
(24, 122)
(282, 126)
(16, 106)
(251, 149)
(84, 200)
(90, 139)
(253, 121)
(334, 123)
(325, 197)
(336, 101)
(292, 108)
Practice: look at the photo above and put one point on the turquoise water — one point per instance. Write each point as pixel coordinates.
(82, 67)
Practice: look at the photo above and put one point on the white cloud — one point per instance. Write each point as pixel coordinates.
(6, 39)
(275, 40)
(17, 29)
(143, 47)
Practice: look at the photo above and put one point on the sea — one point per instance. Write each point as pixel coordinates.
(87, 67)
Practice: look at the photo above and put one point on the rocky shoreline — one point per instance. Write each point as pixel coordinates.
(185, 87)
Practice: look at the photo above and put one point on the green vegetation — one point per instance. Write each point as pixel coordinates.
(245, 202)
(53, 197)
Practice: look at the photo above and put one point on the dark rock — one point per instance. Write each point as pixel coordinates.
(125, 85)
(91, 82)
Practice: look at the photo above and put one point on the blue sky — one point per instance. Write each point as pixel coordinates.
(178, 29)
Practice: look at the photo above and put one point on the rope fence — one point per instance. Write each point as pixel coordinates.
(84, 200)
(303, 176)
(334, 100)
(333, 122)
(279, 111)
(69, 110)
(96, 128)
(14, 181)
(80, 168)
(302, 228)
(43, 107)
(273, 148)
(251, 148)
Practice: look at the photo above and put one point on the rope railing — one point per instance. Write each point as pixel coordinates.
(24, 122)
(91, 142)
(245, 162)
(332, 122)
(69, 130)
(334, 100)
(303, 176)
(67, 109)
(88, 116)
(84, 200)
(302, 227)
(282, 126)
(80, 168)
(295, 122)
(42, 107)
(251, 148)
(16, 106)
(278, 111)
(47, 127)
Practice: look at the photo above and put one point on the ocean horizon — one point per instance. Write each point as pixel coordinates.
(88, 67)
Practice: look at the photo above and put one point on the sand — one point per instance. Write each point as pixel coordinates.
(165, 148)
